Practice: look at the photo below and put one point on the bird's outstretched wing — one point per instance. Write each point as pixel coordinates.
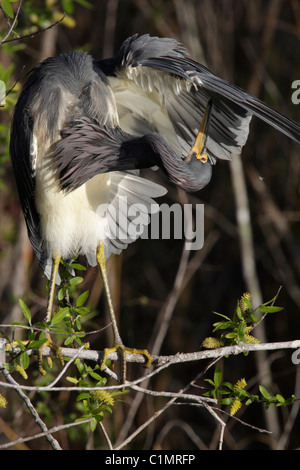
(159, 88)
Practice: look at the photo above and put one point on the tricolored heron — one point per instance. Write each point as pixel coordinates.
(81, 126)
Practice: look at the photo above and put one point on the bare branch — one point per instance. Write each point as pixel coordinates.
(44, 434)
(161, 361)
(4, 40)
(54, 443)
(31, 35)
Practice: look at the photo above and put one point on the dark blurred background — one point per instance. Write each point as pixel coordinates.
(255, 44)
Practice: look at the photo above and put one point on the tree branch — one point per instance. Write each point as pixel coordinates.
(161, 362)
(97, 356)
(10, 31)
(53, 442)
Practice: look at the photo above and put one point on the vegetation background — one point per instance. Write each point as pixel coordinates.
(255, 44)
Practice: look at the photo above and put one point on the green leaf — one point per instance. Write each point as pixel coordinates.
(70, 340)
(280, 398)
(78, 266)
(96, 376)
(37, 343)
(82, 310)
(85, 4)
(239, 312)
(290, 401)
(31, 335)
(42, 336)
(231, 335)
(83, 396)
(228, 385)
(222, 325)
(75, 280)
(60, 315)
(93, 424)
(25, 310)
(6, 5)
(217, 376)
(264, 392)
(24, 360)
(83, 383)
(226, 401)
(41, 325)
(78, 324)
(68, 6)
(80, 366)
(223, 316)
(211, 382)
(264, 309)
(82, 299)
(241, 330)
(61, 293)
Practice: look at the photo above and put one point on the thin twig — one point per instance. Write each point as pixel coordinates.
(174, 398)
(53, 442)
(106, 436)
(31, 35)
(62, 373)
(183, 396)
(4, 40)
(62, 427)
(145, 424)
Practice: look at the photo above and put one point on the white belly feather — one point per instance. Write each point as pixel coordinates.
(69, 221)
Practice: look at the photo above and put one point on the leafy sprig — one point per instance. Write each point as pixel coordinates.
(94, 404)
(235, 395)
(66, 322)
(237, 329)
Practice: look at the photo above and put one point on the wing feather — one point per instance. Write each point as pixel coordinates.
(161, 70)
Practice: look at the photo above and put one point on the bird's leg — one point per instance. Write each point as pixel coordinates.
(199, 145)
(55, 266)
(118, 343)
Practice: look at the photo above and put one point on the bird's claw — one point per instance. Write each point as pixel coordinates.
(123, 350)
(55, 348)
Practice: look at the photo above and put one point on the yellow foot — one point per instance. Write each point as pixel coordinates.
(122, 350)
(53, 346)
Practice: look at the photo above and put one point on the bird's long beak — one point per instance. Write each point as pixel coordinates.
(198, 149)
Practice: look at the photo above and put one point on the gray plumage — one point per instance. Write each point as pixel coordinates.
(58, 91)
(161, 94)
(77, 118)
